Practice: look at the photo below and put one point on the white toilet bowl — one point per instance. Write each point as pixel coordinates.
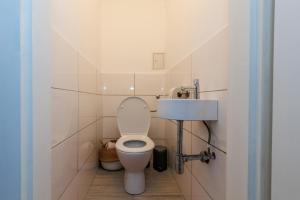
(134, 153)
(134, 148)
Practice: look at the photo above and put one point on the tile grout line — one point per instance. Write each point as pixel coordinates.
(219, 149)
(73, 134)
(79, 91)
(208, 194)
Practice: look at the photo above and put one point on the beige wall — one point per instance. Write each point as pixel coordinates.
(131, 31)
(78, 22)
(190, 24)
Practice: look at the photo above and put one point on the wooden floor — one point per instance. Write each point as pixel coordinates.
(109, 186)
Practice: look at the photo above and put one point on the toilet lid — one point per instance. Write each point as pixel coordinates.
(133, 117)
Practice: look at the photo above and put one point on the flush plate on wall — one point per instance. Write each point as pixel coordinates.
(158, 61)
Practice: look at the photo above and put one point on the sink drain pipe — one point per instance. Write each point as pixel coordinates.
(203, 156)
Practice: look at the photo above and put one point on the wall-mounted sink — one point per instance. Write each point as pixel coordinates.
(188, 109)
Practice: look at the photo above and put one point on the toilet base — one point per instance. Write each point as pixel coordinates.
(134, 182)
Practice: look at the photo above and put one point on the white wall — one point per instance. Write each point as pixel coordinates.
(76, 103)
(78, 22)
(286, 137)
(190, 24)
(198, 47)
(131, 31)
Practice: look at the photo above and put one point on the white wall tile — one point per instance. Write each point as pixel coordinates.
(218, 128)
(64, 165)
(111, 104)
(64, 114)
(87, 74)
(117, 84)
(87, 109)
(159, 142)
(110, 128)
(99, 82)
(152, 103)
(210, 63)
(64, 64)
(99, 131)
(157, 129)
(99, 106)
(150, 84)
(184, 182)
(212, 175)
(87, 141)
(180, 75)
(171, 141)
(81, 183)
(198, 193)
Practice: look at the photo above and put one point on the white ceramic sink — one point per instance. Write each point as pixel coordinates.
(188, 109)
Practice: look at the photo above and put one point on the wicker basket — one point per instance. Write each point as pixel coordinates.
(109, 159)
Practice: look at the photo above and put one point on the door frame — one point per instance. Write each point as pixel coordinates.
(35, 99)
(250, 100)
(250, 86)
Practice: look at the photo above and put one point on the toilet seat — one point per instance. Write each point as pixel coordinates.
(149, 144)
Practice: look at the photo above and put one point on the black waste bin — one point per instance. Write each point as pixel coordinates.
(160, 157)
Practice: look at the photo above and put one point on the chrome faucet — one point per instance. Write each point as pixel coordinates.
(185, 92)
(197, 88)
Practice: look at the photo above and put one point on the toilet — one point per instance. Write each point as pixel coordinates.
(134, 148)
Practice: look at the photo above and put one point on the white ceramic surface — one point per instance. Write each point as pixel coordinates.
(144, 142)
(180, 75)
(111, 104)
(213, 175)
(86, 143)
(117, 84)
(157, 129)
(64, 166)
(133, 117)
(64, 114)
(64, 64)
(87, 74)
(110, 128)
(80, 185)
(212, 73)
(134, 164)
(87, 109)
(198, 191)
(150, 84)
(99, 106)
(134, 123)
(188, 109)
